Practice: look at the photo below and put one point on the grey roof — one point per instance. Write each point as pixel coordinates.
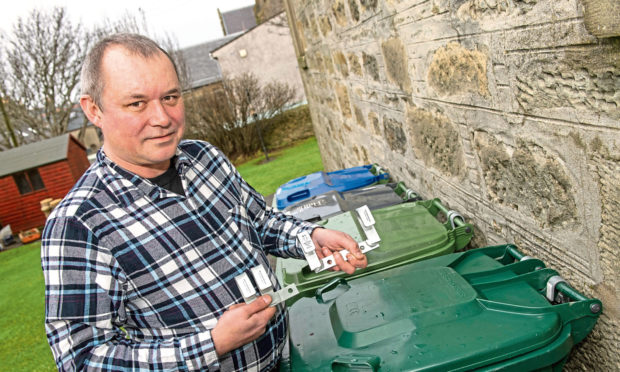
(34, 155)
(247, 32)
(238, 20)
(201, 68)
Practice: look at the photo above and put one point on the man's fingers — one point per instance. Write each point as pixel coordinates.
(355, 250)
(264, 315)
(242, 323)
(257, 305)
(342, 264)
(235, 306)
(348, 243)
(358, 263)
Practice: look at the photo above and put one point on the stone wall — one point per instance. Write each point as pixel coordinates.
(507, 110)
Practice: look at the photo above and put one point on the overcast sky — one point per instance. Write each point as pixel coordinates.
(191, 21)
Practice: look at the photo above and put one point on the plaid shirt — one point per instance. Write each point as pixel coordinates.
(136, 276)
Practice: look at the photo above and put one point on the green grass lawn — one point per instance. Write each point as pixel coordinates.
(290, 163)
(23, 345)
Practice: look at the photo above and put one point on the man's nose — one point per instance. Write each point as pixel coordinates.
(158, 115)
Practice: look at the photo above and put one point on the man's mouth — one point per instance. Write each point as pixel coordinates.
(163, 136)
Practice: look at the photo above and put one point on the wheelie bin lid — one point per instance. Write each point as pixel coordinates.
(482, 309)
(408, 232)
(333, 202)
(318, 183)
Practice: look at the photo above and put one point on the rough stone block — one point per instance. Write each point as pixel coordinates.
(339, 12)
(528, 179)
(343, 99)
(436, 141)
(354, 63)
(455, 70)
(581, 80)
(341, 64)
(395, 135)
(602, 17)
(396, 63)
(370, 66)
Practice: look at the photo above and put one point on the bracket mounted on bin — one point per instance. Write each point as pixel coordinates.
(261, 278)
(367, 223)
(552, 283)
(452, 215)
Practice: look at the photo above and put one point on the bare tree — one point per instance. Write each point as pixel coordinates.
(44, 60)
(231, 118)
(8, 138)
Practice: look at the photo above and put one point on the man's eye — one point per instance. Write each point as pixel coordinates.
(136, 104)
(171, 99)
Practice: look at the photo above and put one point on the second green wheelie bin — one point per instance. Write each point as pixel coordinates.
(486, 309)
(408, 232)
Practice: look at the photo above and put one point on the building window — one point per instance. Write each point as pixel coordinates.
(28, 181)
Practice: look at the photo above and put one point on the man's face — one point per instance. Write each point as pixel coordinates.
(142, 117)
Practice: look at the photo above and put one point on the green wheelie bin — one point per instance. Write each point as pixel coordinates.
(485, 309)
(407, 232)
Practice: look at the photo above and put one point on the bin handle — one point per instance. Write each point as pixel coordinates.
(356, 363)
(298, 195)
(329, 286)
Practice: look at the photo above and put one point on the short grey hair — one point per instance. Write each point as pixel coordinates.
(91, 79)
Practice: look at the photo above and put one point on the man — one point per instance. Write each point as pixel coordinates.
(140, 257)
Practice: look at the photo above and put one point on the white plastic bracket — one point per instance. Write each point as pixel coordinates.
(551, 284)
(246, 288)
(329, 261)
(307, 246)
(283, 294)
(261, 278)
(452, 215)
(410, 194)
(367, 221)
(368, 224)
(264, 286)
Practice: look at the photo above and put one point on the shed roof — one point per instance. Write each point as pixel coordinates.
(34, 155)
(238, 20)
(202, 69)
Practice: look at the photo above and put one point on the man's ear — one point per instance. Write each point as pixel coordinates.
(91, 110)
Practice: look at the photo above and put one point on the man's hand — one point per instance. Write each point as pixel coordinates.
(241, 324)
(329, 242)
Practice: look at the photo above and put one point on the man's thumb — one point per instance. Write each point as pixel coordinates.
(260, 303)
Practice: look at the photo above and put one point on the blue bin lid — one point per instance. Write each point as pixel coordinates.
(318, 183)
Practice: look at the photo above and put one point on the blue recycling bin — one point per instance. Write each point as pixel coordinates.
(319, 183)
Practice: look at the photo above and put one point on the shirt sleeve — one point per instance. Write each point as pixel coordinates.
(278, 231)
(85, 311)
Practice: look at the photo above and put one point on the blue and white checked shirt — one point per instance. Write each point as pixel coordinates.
(136, 276)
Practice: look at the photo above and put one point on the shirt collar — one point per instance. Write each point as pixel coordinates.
(128, 186)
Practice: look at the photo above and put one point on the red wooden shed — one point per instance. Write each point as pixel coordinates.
(37, 171)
